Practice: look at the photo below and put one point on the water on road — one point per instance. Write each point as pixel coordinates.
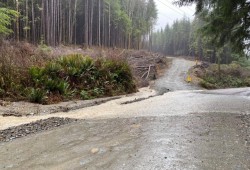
(175, 78)
(182, 129)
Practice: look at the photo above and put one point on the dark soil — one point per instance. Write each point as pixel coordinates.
(33, 127)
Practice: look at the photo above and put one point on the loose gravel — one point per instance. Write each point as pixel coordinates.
(33, 127)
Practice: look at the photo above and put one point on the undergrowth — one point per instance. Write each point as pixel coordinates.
(67, 77)
(231, 76)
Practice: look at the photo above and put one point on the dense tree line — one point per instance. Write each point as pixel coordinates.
(226, 21)
(173, 40)
(185, 38)
(219, 33)
(120, 23)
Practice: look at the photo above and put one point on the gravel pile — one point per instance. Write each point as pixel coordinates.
(20, 109)
(33, 127)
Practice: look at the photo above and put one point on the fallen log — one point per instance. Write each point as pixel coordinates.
(147, 72)
(149, 69)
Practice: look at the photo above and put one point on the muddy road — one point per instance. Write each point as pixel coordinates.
(182, 129)
(174, 78)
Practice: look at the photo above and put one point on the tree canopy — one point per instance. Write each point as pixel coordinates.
(227, 21)
(174, 40)
(6, 16)
(186, 38)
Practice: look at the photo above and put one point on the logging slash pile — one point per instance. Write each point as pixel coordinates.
(146, 66)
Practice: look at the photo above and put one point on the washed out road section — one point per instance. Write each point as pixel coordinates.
(195, 141)
(182, 129)
(178, 103)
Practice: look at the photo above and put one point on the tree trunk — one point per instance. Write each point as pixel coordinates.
(75, 19)
(17, 22)
(86, 27)
(109, 43)
(99, 23)
(33, 21)
(26, 20)
(91, 23)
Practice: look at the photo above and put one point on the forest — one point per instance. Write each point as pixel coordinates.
(219, 32)
(183, 38)
(110, 23)
(52, 50)
(218, 36)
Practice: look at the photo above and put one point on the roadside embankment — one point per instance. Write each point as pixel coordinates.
(210, 76)
(66, 78)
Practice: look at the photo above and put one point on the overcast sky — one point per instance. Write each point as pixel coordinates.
(167, 12)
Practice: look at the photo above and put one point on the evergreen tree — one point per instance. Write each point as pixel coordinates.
(6, 16)
(116, 23)
(226, 21)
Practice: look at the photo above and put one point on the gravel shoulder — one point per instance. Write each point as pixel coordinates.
(32, 128)
(19, 109)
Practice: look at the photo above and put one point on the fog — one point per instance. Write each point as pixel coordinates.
(168, 12)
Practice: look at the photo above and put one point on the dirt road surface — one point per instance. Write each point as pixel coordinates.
(175, 78)
(182, 129)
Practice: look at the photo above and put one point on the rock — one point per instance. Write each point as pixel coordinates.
(30, 114)
(94, 150)
(33, 127)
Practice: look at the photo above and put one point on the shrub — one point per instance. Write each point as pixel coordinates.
(36, 74)
(247, 81)
(232, 75)
(43, 49)
(2, 92)
(98, 92)
(68, 76)
(51, 84)
(36, 95)
(84, 95)
(207, 85)
(52, 69)
(120, 74)
(63, 87)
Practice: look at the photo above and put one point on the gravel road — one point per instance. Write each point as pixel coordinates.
(198, 141)
(174, 78)
(182, 129)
